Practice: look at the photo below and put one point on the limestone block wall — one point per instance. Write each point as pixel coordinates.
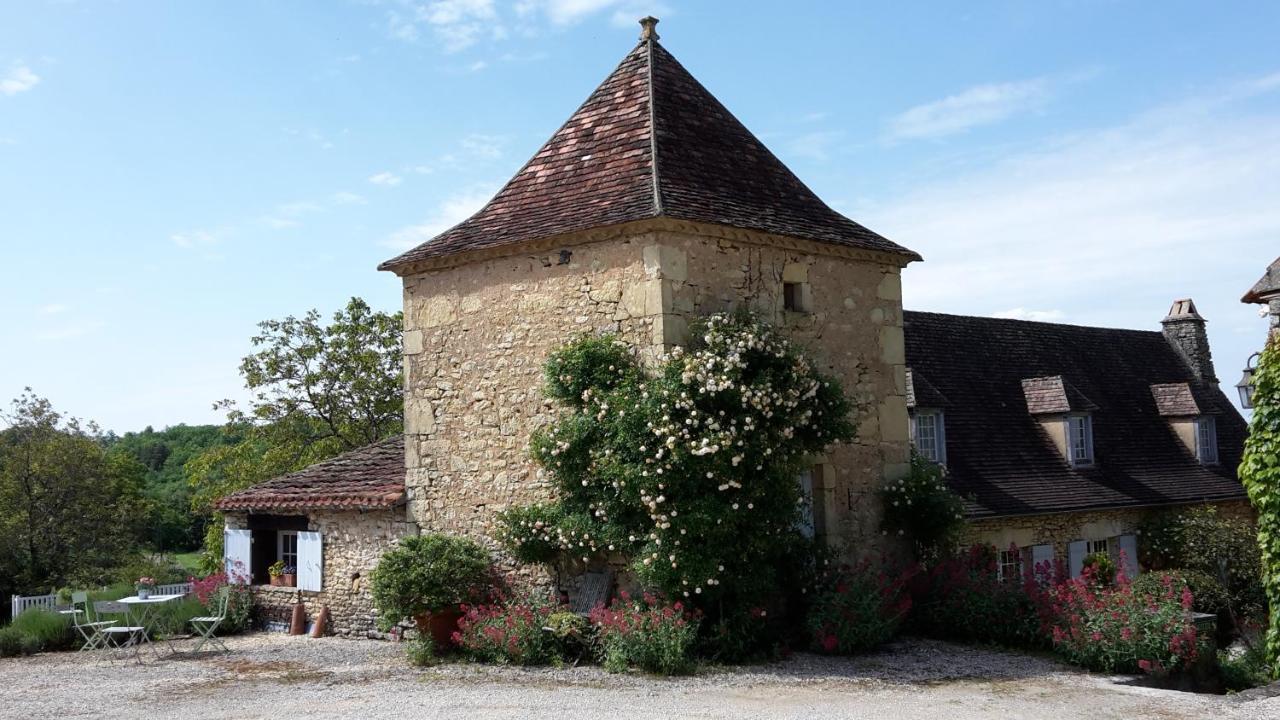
(353, 542)
(1062, 528)
(477, 334)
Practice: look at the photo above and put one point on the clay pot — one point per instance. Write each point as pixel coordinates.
(290, 580)
(439, 626)
(277, 580)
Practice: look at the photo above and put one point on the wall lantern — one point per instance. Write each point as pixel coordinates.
(1246, 386)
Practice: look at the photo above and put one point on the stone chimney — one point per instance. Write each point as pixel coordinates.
(1184, 329)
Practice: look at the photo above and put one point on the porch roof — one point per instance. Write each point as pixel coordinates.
(371, 477)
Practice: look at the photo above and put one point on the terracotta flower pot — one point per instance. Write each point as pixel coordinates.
(290, 580)
(439, 625)
(277, 581)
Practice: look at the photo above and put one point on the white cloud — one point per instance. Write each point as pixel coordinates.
(347, 198)
(568, 12)
(19, 79)
(455, 24)
(1107, 227)
(289, 215)
(194, 238)
(451, 211)
(385, 178)
(53, 309)
(979, 105)
(1020, 313)
(814, 145)
(484, 146)
(70, 332)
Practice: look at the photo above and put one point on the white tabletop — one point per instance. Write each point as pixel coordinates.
(135, 600)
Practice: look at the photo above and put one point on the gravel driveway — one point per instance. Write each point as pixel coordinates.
(276, 676)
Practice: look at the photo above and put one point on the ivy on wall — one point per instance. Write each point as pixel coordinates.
(1260, 473)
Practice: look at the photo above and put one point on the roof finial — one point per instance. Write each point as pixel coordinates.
(648, 29)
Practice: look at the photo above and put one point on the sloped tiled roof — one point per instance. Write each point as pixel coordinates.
(650, 142)
(1000, 459)
(1175, 400)
(1054, 395)
(921, 393)
(366, 478)
(1267, 286)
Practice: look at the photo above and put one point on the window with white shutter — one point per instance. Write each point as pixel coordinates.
(236, 553)
(310, 561)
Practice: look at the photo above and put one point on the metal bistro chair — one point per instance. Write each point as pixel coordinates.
(122, 638)
(207, 624)
(85, 623)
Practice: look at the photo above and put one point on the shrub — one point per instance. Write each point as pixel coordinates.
(1260, 474)
(963, 598)
(11, 641)
(921, 508)
(859, 609)
(1102, 567)
(688, 472)
(1120, 630)
(571, 631)
(44, 629)
(239, 601)
(429, 573)
(1243, 670)
(421, 651)
(1201, 540)
(1208, 595)
(510, 633)
(648, 634)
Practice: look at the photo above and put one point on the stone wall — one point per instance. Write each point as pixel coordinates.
(353, 542)
(477, 334)
(1062, 528)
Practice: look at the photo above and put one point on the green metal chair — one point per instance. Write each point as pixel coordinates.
(124, 639)
(88, 624)
(207, 624)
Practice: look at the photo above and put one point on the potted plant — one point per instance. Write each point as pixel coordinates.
(276, 571)
(290, 575)
(145, 586)
(427, 578)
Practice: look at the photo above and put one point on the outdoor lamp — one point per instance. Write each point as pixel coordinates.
(1245, 386)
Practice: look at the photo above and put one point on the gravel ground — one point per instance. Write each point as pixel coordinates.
(276, 676)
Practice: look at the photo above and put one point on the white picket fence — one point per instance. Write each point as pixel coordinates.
(21, 603)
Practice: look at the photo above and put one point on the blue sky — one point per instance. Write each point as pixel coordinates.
(172, 173)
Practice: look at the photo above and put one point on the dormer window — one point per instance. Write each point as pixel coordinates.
(1080, 440)
(1207, 440)
(928, 435)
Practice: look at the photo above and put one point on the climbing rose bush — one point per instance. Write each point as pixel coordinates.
(689, 471)
(921, 509)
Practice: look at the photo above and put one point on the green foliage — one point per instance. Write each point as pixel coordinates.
(67, 506)
(46, 629)
(12, 642)
(421, 652)
(648, 634)
(1245, 669)
(317, 391)
(1260, 473)
(1200, 539)
(858, 609)
(689, 472)
(963, 598)
(428, 573)
(1103, 567)
(921, 508)
(1208, 594)
(511, 633)
(172, 524)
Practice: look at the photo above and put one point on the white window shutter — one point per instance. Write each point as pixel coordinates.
(1129, 555)
(236, 555)
(310, 561)
(1075, 557)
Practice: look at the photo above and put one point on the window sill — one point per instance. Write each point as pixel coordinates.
(279, 589)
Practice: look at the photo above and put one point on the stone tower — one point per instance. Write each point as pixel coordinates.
(650, 206)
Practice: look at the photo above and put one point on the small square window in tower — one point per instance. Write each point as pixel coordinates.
(795, 297)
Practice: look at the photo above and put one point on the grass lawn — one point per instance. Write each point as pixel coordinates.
(189, 561)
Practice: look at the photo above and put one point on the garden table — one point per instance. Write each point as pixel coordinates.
(145, 610)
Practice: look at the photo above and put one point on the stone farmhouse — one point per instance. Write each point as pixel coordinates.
(651, 206)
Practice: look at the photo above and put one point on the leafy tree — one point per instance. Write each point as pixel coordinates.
(1260, 473)
(316, 391)
(68, 508)
(689, 472)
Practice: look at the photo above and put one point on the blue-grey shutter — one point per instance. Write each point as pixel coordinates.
(1075, 557)
(1129, 555)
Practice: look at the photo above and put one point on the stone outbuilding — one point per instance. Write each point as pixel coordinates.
(651, 206)
(332, 521)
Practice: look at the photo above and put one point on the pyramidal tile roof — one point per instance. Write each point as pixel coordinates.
(650, 142)
(365, 478)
